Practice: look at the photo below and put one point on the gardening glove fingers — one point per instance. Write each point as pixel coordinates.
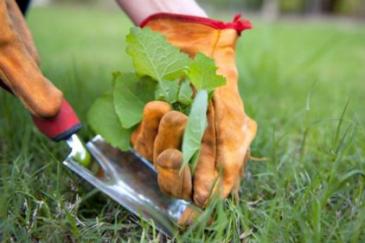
(18, 67)
(168, 161)
(234, 130)
(168, 158)
(170, 132)
(158, 139)
(21, 28)
(171, 179)
(143, 137)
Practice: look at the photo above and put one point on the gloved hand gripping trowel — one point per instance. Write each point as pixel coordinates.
(125, 177)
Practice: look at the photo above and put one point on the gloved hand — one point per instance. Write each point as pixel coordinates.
(225, 145)
(19, 69)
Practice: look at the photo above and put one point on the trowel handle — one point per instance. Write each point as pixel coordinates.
(60, 127)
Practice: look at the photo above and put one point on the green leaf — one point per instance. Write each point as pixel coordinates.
(167, 91)
(104, 121)
(130, 94)
(185, 93)
(202, 73)
(195, 128)
(153, 56)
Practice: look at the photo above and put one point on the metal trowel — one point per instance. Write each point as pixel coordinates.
(126, 177)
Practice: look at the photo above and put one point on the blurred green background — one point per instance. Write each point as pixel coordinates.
(281, 7)
(302, 78)
(299, 7)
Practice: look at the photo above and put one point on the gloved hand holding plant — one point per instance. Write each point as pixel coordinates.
(183, 112)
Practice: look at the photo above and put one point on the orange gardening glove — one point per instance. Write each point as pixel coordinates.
(225, 145)
(19, 69)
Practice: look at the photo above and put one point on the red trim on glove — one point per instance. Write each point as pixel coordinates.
(239, 24)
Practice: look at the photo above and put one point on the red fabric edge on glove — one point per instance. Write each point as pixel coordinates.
(239, 24)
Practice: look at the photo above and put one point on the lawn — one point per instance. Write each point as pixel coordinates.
(303, 82)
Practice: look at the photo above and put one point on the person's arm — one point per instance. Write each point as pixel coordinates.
(138, 10)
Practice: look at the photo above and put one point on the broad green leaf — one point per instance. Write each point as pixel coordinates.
(185, 93)
(104, 121)
(130, 94)
(167, 91)
(153, 56)
(195, 128)
(202, 73)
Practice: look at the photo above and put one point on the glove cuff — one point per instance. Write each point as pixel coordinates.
(239, 24)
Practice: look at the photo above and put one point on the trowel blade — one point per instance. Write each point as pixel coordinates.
(131, 181)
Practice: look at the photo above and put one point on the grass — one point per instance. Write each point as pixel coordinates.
(302, 82)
